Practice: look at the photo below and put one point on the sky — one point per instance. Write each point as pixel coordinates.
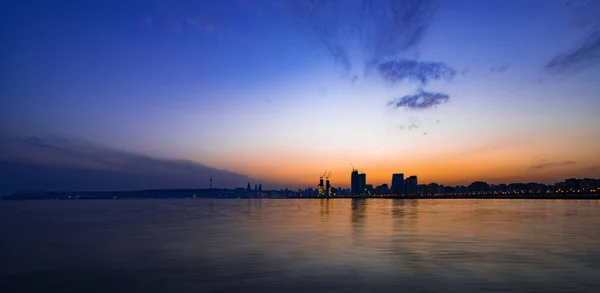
(166, 94)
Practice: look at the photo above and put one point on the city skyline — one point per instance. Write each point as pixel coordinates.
(121, 95)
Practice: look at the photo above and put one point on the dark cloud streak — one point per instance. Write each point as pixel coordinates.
(377, 30)
(399, 26)
(420, 101)
(586, 53)
(547, 165)
(421, 71)
(58, 164)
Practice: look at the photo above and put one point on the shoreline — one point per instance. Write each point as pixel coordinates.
(595, 196)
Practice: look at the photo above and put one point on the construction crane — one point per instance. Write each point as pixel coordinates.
(328, 176)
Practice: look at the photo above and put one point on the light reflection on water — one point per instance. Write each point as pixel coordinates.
(343, 245)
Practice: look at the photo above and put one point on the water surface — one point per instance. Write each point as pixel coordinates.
(304, 245)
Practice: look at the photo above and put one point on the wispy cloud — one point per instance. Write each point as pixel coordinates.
(409, 127)
(375, 35)
(586, 53)
(54, 163)
(397, 25)
(364, 33)
(421, 71)
(420, 101)
(413, 123)
(547, 165)
(499, 68)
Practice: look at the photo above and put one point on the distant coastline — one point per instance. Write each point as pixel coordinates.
(274, 194)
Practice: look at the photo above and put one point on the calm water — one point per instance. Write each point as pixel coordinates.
(300, 246)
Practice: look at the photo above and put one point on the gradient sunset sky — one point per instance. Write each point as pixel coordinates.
(281, 91)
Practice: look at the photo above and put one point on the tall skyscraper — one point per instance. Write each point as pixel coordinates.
(410, 185)
(358, 182)
(320, 187)
(398, 183)
(363, 183)
(354, 182)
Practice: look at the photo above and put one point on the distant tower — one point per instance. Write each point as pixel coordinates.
(410, 185)
(248, 187)
(327, 185)
(358, 182)
(354, 182)
(211, 182)
(255, 188)
(398, 183)
(362, 178)
(320, 187)
(260, 188)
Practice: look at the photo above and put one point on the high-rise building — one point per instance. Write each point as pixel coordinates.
(248, 187)
(320, 187)
(358, 182)
(410, 185)
(398, 183)
(354, 182)
(363, 183)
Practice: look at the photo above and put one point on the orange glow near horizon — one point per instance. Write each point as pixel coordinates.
(495, 164)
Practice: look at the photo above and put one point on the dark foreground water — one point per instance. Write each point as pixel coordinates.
(300, 246)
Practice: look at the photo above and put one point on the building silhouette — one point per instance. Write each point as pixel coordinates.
(354, 184)
(434, 188)
(480, 186)
(421, 189)
(383, 189)
(358, 183)
(398, 183)
(572, 184)
(410, 185)
(363, 183)
(320, 187)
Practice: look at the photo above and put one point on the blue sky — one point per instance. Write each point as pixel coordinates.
(253, 87)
